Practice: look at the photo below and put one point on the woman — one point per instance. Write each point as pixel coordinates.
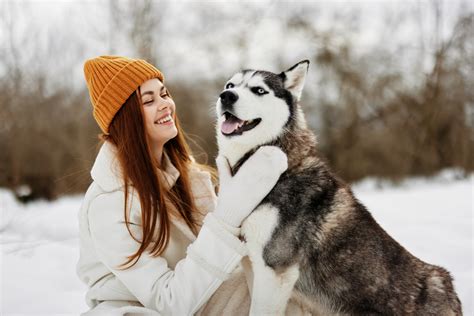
(154, 237)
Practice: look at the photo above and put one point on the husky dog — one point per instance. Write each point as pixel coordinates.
(310, 238)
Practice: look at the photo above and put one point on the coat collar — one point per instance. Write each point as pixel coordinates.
(107, 173)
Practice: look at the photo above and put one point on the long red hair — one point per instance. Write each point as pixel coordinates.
(127, 132)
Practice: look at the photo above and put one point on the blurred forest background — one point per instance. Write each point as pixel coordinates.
(389, 93)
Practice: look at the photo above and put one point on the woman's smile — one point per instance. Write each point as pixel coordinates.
(167, 120)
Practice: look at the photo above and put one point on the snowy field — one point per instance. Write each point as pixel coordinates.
(432, 218)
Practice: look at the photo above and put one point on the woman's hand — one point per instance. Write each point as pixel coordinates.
(240, 194)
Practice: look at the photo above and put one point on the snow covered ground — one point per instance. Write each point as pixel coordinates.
(432, 218)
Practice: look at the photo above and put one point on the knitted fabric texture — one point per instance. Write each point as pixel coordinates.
(111, 80)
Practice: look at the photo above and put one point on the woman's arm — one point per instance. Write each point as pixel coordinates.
(210, 258)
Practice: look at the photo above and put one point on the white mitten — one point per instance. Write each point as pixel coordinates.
(240, 194)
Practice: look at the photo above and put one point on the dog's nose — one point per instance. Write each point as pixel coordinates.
(228, 98)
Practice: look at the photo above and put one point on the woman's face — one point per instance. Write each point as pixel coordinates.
(159, 112)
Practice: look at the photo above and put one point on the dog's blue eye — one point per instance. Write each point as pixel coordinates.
(230, 85)
(258, 90)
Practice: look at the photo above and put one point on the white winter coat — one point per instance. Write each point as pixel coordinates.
(194, 275)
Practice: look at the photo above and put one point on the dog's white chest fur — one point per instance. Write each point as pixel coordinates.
(270, 290)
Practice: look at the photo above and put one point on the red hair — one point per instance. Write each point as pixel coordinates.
(139, 168)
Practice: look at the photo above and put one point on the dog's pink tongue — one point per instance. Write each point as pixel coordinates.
(228, 126)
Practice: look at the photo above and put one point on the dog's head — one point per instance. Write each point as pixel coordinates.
(256, 107)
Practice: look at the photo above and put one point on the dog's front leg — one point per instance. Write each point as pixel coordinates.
(271, 289)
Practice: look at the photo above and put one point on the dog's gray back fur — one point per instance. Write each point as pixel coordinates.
(346, 259)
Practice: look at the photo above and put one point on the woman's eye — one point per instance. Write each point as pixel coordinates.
(166, 94)
(148, 102)
(230, 85)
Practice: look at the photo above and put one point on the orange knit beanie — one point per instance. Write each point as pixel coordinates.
(111, 80)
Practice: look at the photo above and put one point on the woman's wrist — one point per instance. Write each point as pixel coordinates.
(229, 217)
(232, 229)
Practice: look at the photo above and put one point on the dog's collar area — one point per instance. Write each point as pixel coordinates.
(232, 125)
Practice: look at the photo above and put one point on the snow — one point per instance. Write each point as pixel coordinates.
(39, 249)
(432, 218)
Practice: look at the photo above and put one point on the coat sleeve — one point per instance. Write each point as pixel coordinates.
(209, 260)
(205, 196)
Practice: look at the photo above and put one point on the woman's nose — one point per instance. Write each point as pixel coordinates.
(163, 106)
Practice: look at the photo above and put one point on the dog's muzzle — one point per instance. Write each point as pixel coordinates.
(228, 98)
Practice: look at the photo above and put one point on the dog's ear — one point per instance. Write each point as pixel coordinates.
(294, 78)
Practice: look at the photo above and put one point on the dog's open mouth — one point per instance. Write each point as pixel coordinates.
(235, 126)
